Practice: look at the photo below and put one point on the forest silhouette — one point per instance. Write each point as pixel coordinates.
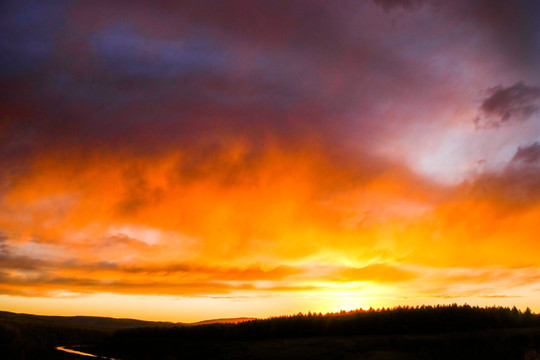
(423, 332)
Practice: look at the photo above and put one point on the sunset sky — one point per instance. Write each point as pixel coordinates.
(188, 160)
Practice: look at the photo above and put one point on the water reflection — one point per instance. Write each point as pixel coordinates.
(71, 351)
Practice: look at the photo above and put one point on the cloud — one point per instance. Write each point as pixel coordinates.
(508, 104)
(484, 282)
(3, 243)
(289, 72)
(28, 276)
(515, 185)
(511, 27)
(128, 53)
(528, 154)
(27, 34)
(380, 273)
(404, 4)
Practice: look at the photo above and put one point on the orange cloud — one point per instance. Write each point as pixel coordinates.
(108, 223)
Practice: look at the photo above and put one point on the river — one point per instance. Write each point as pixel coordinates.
(71, 351)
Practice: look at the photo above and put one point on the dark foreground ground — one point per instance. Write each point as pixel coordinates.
(446, 332)
(494, 344)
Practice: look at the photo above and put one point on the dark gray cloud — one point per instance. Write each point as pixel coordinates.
(404, 4)
(507, 104)
(148, 77)
(27, 30)
(528, 154)
(512, 27)
(113, 84)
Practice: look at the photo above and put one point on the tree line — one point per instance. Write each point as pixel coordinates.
(397, 329)
(397, 320)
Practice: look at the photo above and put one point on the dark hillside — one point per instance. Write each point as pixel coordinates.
(442, 332)
(24, 336)
(88, 322)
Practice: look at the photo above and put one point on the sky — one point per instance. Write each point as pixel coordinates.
(188, 160)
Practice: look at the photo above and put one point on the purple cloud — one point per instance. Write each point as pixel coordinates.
(528, 154)
(507, 104)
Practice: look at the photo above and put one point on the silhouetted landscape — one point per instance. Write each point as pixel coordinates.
(426, 332)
